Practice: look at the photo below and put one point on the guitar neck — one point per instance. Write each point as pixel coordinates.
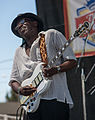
(77, 33)
(60, 52)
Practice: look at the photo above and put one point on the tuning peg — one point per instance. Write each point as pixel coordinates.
(86, 24)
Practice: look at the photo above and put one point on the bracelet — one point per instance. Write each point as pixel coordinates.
(18, 90)
(58, 68)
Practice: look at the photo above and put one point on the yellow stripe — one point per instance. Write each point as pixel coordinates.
(84, 12)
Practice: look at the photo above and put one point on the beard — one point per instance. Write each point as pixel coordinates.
(30, 34)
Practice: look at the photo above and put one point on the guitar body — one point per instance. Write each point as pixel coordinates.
(41, 83)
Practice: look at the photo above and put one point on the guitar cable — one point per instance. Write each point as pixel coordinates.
(21, 112)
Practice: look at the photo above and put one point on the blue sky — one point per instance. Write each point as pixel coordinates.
(9, 9)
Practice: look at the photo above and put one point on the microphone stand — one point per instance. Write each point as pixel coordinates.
(83, 92)
(82, 72)
(83, 78)
(83, 81)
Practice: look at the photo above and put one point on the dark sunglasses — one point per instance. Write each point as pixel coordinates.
(21, 22)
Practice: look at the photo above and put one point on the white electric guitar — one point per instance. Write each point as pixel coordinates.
(31, 103)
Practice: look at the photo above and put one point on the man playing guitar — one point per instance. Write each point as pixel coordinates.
(56, 101)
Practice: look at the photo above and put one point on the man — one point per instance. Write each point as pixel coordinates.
(56, 101)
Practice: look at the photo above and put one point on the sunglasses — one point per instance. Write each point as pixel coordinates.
(21, 22)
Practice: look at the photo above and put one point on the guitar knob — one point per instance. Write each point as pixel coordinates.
(29, 107)
(27, 103)
(34, 98)
(31, 100)
(32, 104)
(86, 24)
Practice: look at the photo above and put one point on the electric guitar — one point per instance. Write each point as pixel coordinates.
(37, 80)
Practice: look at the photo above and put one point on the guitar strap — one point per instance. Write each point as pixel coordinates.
(43, 51)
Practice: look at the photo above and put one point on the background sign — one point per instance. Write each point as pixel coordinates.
(77, 12)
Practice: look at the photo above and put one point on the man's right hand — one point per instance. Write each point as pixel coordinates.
(27, 90)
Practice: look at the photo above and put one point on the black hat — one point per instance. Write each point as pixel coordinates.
(26, 15)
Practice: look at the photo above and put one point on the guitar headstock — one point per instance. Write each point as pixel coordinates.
(81, 29)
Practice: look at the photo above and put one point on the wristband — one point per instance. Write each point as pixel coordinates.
(58, 68)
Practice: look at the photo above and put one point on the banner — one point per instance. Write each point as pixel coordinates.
(66, 16)
(76, 12)
(51, 12)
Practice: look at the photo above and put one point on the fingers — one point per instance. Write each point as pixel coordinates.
(44, 65)
(48, 72)
(27, 90)
(45, 72)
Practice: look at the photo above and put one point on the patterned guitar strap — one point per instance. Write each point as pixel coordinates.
(43, 51)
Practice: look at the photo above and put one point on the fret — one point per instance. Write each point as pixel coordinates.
(67, 43)
(71, 38)
(56, 57)
(63, 48)
(52, 61)
(59, 53)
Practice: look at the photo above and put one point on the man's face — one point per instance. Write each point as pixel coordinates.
(25, 27)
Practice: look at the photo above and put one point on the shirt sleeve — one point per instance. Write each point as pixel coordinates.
(15, 72)
(60, 40)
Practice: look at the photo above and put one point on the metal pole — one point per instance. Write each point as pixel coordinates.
(83, 94)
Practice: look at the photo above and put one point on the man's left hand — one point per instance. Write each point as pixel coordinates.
(48, 72)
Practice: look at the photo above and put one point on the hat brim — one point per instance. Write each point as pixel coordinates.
(26, 15)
